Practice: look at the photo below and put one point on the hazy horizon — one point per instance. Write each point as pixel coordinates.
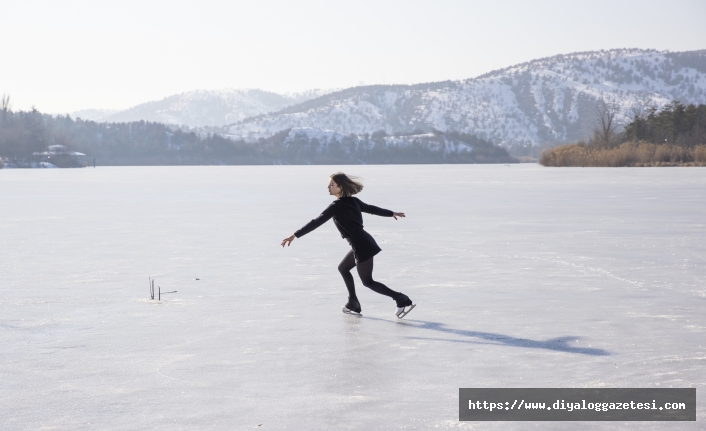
(80, 55)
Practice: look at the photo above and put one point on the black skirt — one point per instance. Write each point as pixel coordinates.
(363, 245)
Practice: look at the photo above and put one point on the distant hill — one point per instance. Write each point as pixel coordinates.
(32, 139)
(314, 146)
(546, 101)
(202, 107)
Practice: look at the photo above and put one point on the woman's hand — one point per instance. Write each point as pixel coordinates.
(289, 240)
(395, 215)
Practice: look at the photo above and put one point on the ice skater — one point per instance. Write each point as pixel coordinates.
(346, 214)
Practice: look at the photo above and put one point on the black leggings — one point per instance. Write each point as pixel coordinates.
(365, 271)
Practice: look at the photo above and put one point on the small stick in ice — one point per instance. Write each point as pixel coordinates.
(160, 292)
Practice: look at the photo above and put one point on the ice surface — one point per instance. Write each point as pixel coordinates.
(524, 277)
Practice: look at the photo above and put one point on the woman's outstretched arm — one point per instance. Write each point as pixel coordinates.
(372, 209)
(318, 221)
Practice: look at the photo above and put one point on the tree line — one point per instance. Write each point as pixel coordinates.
(380, 148)
(672, 136)
(675, 123)
(22, 134)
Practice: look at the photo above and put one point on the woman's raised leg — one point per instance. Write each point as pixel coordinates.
(365, 271)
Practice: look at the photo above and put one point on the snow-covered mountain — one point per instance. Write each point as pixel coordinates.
(549, 100)
(203, 107)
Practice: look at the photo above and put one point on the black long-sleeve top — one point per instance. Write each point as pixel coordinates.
(346, 213)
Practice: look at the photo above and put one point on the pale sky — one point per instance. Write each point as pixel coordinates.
(61, 56)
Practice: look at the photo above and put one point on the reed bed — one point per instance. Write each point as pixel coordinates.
(626, 154)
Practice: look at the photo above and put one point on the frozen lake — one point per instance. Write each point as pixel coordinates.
(524, 277)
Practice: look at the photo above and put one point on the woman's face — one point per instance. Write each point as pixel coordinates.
(333, 188)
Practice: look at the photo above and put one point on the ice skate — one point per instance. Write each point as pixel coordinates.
(352, 307)
(403, 311)
(404, 306)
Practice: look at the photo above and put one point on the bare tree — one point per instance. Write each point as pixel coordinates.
(5, 103)
(605, 123)
(5, 107)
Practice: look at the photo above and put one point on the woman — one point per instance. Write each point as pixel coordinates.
(346, 214)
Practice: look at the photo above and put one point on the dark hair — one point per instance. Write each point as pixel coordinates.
(348, 185)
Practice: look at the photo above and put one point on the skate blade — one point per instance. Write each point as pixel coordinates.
(351, 312)
(405, 311)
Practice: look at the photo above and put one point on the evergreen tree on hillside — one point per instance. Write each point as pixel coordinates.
(676, 123)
